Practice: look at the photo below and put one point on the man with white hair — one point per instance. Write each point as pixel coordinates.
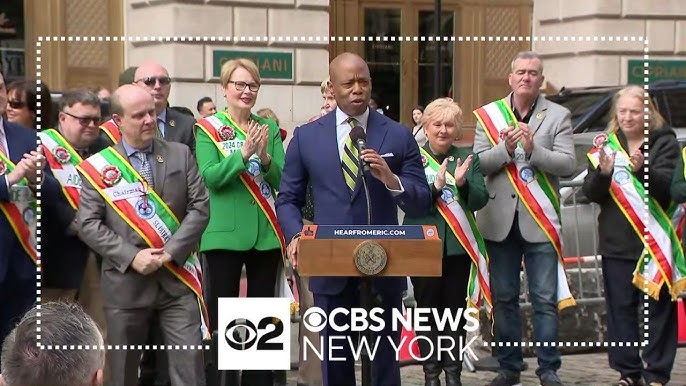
(63, 326)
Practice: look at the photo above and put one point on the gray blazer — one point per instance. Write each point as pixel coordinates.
(181, 131)
(178, 183)
(553, 153)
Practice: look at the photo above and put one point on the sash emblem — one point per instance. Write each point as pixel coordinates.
(62, 155)
(266, 190)
(526, 174)
(227, 133)
(447, 195)
(599, 140)
(424, 160)
(621, 177)
(145, 208)
(254, 167)
(110, 175)
(3, 167)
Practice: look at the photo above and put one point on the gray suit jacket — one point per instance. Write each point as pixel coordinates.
(181, 131)
(178, 183)
(553, 153)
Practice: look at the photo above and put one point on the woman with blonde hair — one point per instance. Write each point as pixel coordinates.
(615, 180)
(458, 190)
(240, 156)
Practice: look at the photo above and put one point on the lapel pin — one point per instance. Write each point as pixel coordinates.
(539, 115)
(159, 158)
(172, 123)
(451, 158)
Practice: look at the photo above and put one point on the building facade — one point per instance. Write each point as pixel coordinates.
(289, 41)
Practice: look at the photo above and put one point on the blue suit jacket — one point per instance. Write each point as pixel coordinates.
(13, 259)
(313, 156)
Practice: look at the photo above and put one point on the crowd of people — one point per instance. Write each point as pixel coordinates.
(149, 216)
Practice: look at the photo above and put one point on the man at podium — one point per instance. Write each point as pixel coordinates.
(323, 154)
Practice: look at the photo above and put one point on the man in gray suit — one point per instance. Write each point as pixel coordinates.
(524, 144)
(137, 278)
(173, 126)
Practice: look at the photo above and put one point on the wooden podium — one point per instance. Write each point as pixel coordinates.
(369, 251)
(329, 250)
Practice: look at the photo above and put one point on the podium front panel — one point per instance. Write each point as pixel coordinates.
(330, 250)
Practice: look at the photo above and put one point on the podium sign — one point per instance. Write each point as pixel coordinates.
(370, 250)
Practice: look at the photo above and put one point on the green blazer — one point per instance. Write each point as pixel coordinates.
(473, 192)
(236, 221)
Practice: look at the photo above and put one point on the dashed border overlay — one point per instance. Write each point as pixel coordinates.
(646, 134)
(325, 40)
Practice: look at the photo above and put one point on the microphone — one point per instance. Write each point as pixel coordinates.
(359, 139)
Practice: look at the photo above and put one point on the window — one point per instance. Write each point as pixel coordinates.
(427, 52)
(12, 39)
(383, 58)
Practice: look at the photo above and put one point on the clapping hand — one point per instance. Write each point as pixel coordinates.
(252, 140)
(637, 160)
(606, 162)
(461, 170)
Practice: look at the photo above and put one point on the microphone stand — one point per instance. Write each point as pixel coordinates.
(366, 288)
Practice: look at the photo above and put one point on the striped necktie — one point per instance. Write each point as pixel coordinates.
(158, 132)
(3, 150)
(145, 170)
(350, 159)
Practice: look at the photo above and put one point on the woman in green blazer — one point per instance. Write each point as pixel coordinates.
(235, 146)
(459, 191)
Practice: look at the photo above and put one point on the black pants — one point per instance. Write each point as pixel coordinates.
(224, 270)
(448, 291)
(623, 301)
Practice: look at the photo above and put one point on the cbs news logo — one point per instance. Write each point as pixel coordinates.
(254, 334)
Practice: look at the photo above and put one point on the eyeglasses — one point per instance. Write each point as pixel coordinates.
(240, 86)
(16, 104)
(151, 80)
(85, 121)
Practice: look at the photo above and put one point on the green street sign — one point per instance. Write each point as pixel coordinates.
(657, 70)
(272, 65)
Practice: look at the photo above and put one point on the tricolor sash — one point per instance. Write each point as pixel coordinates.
(228, 137)
(63, 159)
(532, 186)
(20, 210)
(462, 223)
(662, 260)
(144, 210)
(112, 130)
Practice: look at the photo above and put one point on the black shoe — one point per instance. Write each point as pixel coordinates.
(550, 378)
(628, 381)
(505, 378)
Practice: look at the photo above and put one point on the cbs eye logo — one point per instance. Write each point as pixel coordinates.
(242, 334)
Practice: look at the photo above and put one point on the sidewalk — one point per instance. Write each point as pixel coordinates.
(580, 369)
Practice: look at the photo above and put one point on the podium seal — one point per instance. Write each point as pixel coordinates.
(370, 258)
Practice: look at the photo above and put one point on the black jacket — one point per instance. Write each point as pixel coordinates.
(63, 254)
(616, 236)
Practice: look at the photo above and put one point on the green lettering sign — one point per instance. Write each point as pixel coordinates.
(272, 65)
(657, 70)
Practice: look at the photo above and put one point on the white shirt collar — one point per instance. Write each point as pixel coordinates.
(341, 117)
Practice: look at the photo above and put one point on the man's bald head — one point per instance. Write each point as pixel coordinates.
(133, 110)
(350, 83)
(154, 78)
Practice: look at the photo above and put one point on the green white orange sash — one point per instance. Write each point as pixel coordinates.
(532, 187)
(20, 211)
(663, 247)
(112, 130)
(463, 225)
(63, 159)
(145, 211)
(229, 137)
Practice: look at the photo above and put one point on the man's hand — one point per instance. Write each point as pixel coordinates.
(527, 137)
(36, 162)
(147, 260)
(512, 136)
(292, 251)
(380, 169)
(164, 257)
(606, 162)
(19, 172)
(461, 170)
